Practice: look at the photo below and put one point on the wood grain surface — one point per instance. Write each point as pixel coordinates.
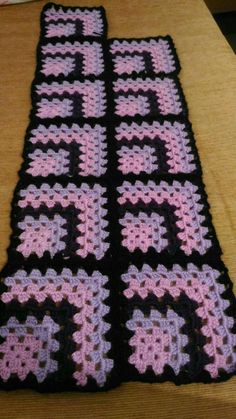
(209, 81)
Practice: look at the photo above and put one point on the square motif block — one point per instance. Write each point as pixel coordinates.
(149, 56)
(136, 160)
(90, 350)
(158, 340)
(60, 21)
(71, 59)
(143, 232)
(79, 230)
(70, 99)
(148, 97)
(155, 148)
(28, 347)
(66, 149)
(41, 235)
(164, 216)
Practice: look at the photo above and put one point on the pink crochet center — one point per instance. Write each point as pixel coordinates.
(175, 137)
(202, 287)
(137, 160)
(49, 162)
(132, 105)
(157, 341)
(166, 91)
(41, 235)
(20, 359)
(93, 94)
(143, 232)
(188, 209)
(28, 347)
(54, 107)
(92, 141)
(90, 203)
(92, 20)
(159, 50)
(128, 64)
(93, 62)
(58, 65)
(87, 294)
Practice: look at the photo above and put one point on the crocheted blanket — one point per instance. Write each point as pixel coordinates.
(114, 270)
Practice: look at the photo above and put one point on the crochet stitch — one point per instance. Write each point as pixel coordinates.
(114, 269)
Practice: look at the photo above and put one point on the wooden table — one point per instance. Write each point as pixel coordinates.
(209, 82)
(221, 6)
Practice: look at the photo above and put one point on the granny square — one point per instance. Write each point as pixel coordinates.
(65, 149)
(76, 59)
(55, 219)
(64, 22)
(66, 99)
(148, 56)
(161, 340)
(169, 216)
(32, 347)
(148, 97)
(155, 147)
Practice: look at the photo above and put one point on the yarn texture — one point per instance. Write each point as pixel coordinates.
(114, 270)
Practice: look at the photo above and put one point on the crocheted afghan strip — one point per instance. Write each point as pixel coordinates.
(114, 269)
(57, 323)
